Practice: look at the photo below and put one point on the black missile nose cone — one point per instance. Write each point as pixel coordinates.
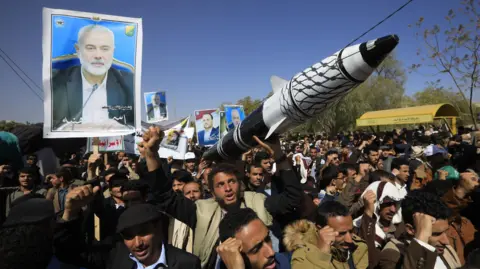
(375, 51)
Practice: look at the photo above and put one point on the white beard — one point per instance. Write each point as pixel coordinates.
(94, 70)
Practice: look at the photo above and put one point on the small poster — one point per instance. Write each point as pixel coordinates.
(207, 124)
(234, 116)
(173, 135)
(156, 106)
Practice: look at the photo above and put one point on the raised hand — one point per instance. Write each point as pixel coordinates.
(369, 202)
(423, 226)
(78, 198)
(151, 140)
(230, 251)
(265, 146)
(326, 238)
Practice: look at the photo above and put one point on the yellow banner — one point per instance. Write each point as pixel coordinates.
(395, 120)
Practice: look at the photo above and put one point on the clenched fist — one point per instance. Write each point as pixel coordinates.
(326, 238)
(230, 251)
(78, 198)
(151, 141)
(369, 200)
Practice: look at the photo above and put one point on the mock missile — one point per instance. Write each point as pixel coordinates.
(306, 95)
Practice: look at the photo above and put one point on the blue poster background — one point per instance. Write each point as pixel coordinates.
(228, 114)
(65, 34)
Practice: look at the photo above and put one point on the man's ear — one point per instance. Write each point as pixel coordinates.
(410, 229)
(77, 48)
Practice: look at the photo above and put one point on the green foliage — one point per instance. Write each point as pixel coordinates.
(249, 104)
(7, 125)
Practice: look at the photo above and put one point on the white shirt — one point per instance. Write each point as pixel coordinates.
(206, 136)
(401, 188)
(438, 262)
(94, 101)
(162, 260)
(156, 112)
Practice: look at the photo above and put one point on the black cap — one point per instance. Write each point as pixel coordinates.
(137, 214)
(30, 211)
(118, 180)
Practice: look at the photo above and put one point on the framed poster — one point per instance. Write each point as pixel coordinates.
(156, 106)
(91, 74)
(207, 124)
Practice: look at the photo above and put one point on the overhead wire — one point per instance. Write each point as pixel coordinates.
(36, 85)
(26, 83)
(21, 70)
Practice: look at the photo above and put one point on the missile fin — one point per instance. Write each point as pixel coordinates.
(274, 127)
(277, 83)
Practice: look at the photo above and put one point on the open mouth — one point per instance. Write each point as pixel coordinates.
(230, 197)
(270, 265)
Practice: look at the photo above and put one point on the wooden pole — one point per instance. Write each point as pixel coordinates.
(96, 220)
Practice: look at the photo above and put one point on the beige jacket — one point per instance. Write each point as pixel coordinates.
(180, 235)
(300, 238)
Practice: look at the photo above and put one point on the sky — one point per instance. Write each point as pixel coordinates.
(204, 53)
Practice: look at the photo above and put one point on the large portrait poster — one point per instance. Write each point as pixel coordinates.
(156, 106)
(91, 74)
(234, 115)
(207, 123)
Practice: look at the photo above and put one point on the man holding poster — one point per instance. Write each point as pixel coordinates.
(89, 91)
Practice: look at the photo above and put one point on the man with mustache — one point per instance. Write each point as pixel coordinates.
(246, 243)
(89, 92)
(327, 243)
(254, 177)
(425, 243)
(381, 219)
(204, 215)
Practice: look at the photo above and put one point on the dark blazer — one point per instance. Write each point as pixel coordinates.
(70, 248)
(214, 136)
(108, 214)
(150, 112)
(67, 95)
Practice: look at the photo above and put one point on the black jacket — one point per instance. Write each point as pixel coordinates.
(67, 98)
(70, 248)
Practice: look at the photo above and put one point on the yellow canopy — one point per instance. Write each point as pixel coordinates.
(408, 115)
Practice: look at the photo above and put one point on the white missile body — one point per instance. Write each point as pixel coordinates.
(306, 95)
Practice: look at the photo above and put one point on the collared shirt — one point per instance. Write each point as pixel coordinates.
(439, 264)
(94, 101)
(117, 206)
(160, 263)
(156, 112)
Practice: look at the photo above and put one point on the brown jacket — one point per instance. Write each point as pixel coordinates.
(367, 232)
(411, 255)
(461, 231)
(300, 238)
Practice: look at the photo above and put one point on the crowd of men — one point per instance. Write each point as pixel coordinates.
(400, 199)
